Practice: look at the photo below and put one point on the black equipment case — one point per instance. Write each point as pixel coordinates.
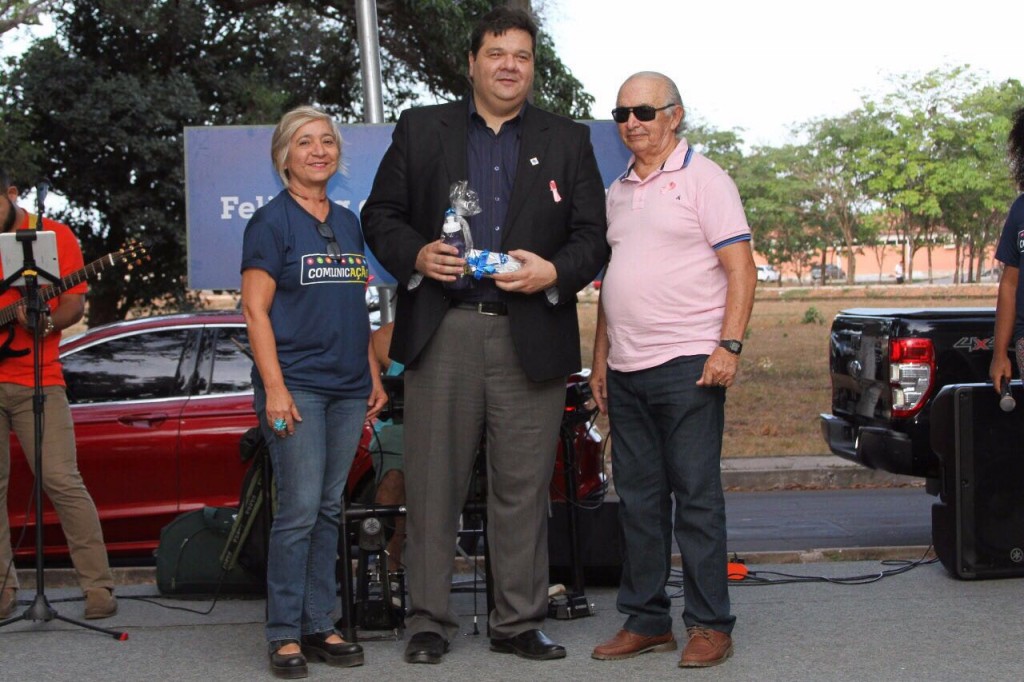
(188, 559)
(978, 524)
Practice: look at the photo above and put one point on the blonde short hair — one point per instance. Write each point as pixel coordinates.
(286, 129)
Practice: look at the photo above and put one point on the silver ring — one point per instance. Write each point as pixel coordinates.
(280, 424)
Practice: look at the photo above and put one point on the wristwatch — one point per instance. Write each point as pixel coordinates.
(732, 345)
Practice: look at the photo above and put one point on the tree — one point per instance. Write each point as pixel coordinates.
(833, 163)
(424, 49)
(14, 13)
(101, 107)
(780, 206)
(104, 104)
(907, 169)
(873, 234)
(724, 147)
(975, 188)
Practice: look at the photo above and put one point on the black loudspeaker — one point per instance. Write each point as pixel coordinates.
(601, 546)
(978, 524)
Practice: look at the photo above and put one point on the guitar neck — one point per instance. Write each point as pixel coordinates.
(10, 313)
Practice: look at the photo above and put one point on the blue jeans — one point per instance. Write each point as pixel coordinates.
(310, 470)
(667, 442)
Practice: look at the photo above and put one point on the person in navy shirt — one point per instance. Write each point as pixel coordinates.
(1010, 302)
(316, 380)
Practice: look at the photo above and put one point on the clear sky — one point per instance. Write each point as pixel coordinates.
(763, 66)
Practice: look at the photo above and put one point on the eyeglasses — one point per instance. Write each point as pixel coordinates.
(644, 112)
(333, 250)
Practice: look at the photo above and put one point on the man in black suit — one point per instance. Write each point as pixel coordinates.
(496, 355)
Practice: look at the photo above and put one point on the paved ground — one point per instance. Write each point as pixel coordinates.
(897, 624)
(919, 625)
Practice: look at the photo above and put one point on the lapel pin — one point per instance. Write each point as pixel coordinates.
(554, 191)
(534, 161)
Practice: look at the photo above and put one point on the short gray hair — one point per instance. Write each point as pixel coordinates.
(286, 129)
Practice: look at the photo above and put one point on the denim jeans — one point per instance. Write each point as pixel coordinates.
(310, 470)
(667, 442)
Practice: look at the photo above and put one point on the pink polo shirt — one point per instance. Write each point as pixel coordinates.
(664, 288)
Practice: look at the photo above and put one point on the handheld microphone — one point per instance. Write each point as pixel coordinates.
(1006, 401)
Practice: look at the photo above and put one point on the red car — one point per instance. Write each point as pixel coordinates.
(159, 406)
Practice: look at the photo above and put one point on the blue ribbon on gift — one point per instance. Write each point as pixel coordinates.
(480, 265)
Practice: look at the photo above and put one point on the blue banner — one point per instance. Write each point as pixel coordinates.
(229, 174)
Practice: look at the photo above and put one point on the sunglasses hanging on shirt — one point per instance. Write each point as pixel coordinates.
(325, 231)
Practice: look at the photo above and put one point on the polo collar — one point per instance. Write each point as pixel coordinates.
(679, 159)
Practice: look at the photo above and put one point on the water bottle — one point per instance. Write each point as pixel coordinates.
(452, 234)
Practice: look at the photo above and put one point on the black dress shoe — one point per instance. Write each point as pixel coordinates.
(426, 647)
(287, 666)
(342, 654)
(532, 644)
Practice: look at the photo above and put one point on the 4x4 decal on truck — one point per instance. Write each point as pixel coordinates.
(974, 344)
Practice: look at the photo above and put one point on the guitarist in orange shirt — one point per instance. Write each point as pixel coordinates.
(61, 480)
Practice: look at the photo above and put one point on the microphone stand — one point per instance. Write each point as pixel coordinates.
(40, 610)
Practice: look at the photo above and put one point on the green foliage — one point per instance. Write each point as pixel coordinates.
(724, 147)
(812, 316)
(101, 107)
(923, 164)
(14, 13)
(781, 208)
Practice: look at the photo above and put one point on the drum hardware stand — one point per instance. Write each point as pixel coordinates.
(572, 603)
(379, 595)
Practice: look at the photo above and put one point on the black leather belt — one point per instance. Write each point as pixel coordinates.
(482, 307)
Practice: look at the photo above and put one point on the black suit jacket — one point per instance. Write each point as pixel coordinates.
(406, 208)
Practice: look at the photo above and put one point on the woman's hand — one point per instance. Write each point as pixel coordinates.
(281, 413)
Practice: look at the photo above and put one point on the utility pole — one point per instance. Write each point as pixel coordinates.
(373, 103)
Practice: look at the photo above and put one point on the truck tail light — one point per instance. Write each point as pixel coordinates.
(911, 374)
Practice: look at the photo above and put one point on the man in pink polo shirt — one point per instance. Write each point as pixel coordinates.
(675, 302)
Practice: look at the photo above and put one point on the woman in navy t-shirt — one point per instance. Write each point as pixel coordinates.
(1010, 304)
(316, 380)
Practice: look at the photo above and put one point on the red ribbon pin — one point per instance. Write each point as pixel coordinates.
(554, 191)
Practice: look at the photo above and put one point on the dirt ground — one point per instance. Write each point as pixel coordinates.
(784, 380)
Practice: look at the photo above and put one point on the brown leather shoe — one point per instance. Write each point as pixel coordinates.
(705, 648)
(8, 598)
(99, 603)
(626, 644)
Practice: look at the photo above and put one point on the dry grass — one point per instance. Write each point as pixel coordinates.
(784, 381)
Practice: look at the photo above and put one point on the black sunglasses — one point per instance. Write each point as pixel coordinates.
(644, 112)
(333, 250)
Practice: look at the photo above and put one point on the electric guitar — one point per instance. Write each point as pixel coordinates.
(131, 253)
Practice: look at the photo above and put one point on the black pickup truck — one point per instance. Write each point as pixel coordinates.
(887, 364)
